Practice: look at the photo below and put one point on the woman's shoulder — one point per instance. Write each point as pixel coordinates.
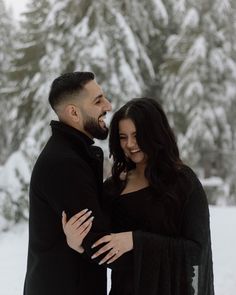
(195, 185)
(188, 172)
(188, 178)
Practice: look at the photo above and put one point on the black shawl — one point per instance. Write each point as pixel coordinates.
(182, 265)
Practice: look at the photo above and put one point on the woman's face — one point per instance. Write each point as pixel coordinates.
(128, 142)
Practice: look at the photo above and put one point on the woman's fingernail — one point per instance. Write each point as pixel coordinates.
(93, 246)
(101, 262)
(94, 256)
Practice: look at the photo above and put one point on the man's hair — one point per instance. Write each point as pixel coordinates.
(66, 85)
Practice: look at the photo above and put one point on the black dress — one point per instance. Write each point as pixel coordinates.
(172, 247)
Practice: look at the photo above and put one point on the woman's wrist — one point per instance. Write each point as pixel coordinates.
(80, 249)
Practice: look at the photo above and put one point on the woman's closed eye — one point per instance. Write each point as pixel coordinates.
(123, 137)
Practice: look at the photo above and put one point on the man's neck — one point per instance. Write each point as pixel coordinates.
(75, 126)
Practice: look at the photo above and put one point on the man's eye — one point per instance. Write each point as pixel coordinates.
(97, 101)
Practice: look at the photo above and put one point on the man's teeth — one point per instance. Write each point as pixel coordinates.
(102, 119)
(102, 122)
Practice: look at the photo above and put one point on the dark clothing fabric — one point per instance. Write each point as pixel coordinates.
(172, 246)
(67, 176)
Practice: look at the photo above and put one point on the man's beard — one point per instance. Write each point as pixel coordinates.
(92, 127)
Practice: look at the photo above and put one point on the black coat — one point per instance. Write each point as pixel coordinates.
(67, 176)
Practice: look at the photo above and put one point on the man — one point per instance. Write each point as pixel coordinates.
(68, 176)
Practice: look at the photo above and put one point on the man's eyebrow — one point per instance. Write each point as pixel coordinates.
(98, 96)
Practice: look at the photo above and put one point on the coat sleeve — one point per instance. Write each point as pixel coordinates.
(181, 266)
(71, 186)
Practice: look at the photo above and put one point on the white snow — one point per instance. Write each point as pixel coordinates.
(196, 53)
(159, 11)
(17, 7)
(9, 178)
(217, 60)
(82, 29)
(191, 20)
(223, 223)
(128, 35)
(13, 252)
(212, 181)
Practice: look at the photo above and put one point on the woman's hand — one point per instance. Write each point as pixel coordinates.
(77, 228)
(116, 244)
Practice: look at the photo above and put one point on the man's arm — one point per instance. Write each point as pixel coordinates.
(70, 186)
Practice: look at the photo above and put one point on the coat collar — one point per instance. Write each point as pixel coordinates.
(93, 155)
(58, 126)
(78, 138)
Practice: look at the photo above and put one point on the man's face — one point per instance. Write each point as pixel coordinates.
(93, 109)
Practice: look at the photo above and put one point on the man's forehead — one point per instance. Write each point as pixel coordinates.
(92, 90)
(92, 85)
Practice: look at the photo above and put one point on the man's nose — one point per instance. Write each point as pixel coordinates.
(108, 106)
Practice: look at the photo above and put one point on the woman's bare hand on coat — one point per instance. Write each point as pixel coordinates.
(117, 244)
(76, 228)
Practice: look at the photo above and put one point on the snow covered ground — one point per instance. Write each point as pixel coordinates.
(13, 250)
(223, 224)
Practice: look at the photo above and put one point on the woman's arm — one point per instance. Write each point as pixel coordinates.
(116, 245)
(182, 263)
(77, 228)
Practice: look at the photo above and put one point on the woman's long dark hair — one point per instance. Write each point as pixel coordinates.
(154, 137)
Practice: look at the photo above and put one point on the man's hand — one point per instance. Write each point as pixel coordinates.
(77, 228)
(116, 244)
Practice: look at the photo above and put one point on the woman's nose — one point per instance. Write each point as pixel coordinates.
(131, 142)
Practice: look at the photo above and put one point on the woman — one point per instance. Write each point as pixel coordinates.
(157, 198)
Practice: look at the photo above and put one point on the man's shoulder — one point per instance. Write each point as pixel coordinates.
(61, 159)
(56, 160)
